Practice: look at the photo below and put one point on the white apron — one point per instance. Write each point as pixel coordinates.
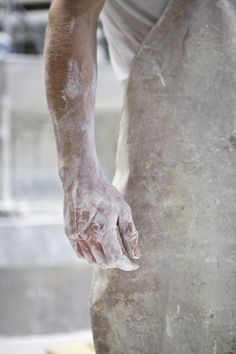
(176, 167)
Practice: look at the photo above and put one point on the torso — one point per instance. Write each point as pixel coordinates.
(126, 24)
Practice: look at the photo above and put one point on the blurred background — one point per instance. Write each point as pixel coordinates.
(44, 288)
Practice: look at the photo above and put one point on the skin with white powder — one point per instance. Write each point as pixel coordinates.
(74, 82)
(98, 222)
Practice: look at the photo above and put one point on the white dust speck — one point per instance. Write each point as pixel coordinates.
(215, 347)
(178, 309)
(168, 327)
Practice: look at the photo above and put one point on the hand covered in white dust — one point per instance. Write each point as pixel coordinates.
(99, 223)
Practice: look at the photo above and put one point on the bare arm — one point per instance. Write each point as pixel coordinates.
(98, 221)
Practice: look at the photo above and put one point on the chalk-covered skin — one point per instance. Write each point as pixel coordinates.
(98, 222)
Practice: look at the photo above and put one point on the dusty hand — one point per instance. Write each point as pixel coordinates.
(99, 223)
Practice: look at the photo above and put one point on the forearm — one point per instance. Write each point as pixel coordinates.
(98, 222)
(70, 55)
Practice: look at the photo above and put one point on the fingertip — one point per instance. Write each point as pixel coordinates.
(137, 252)
(132, 247)
(126, 264)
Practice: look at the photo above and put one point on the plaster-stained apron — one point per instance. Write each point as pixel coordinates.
(177, 169)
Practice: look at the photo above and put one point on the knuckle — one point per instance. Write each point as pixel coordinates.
(97, 227)
(83, 214)
(93, 232)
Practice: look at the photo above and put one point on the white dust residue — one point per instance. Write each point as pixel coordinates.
(178, 309)
(72, 25)
(74, 84)
(168, 327)
(215, 347)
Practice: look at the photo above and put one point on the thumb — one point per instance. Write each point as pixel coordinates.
(128, 233)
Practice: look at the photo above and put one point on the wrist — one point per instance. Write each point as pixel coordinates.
(78, 168)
